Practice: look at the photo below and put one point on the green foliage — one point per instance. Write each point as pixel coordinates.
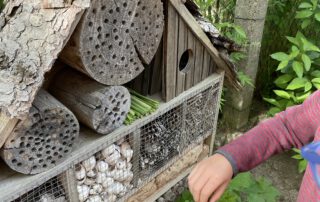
(233, 32)
(299, 73)
(243, 188)
(245, 79)
(309, 11)
(302, 165)
(280, 22)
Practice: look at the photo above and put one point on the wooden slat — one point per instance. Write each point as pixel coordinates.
(68, 181)
(198, 63)
(189, 74)
(182, 39)
(171, 53)
(198, 32)
(206, 63)
(156, 76)
(6, 127)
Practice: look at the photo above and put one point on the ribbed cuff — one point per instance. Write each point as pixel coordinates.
(230, 159)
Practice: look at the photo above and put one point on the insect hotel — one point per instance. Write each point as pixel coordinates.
(72, 76)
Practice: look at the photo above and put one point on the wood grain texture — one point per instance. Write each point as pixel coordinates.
(182, 47)
(6, 126)
(30, 40)
(43, 139)
(115, 38)
(171, 53)
(101, 108)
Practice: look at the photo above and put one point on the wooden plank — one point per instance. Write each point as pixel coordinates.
(88, 144)
(157, 69)
(6, 127)
(198, 63)
(189, 74)
(69, 183)
(135, 159)
(206, 63)
(198, 32)
(182, 43)
(169, 185)
(171, 53)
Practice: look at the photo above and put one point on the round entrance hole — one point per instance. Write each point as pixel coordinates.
(185, 61)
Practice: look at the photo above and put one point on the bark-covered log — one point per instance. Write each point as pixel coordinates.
(115, 38)
(43, 139)
(30, 40)
(102, 108)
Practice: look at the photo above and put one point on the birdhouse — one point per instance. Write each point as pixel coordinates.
(189, 56)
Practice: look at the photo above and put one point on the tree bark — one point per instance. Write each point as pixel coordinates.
(101, 108)
(115, 38)
(30, 40)
(43, 139)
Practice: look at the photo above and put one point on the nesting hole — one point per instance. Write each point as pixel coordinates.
(185, 61)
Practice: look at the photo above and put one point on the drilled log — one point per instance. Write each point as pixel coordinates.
(43, 139)
(30, 40)
(115, 38)
(102, 108)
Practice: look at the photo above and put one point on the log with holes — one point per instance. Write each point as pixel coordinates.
(101, 108)
(43, 139)
(115, 38)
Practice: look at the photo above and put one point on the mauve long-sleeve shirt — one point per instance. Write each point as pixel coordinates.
(295, 127)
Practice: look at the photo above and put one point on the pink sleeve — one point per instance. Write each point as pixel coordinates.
(294, 127)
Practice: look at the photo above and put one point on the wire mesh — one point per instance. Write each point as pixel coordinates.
(109, 174)
(160, 141)
(51, 191)
(127, 162)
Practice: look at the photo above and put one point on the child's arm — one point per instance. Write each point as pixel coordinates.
(294, 127)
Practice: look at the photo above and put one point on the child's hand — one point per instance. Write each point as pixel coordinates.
(210, 178)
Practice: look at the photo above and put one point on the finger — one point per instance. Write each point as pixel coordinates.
(218, 193)
(198, 186)
(208, 189)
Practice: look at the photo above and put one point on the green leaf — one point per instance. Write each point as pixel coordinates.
(303, 97)
(305, 5)
(317, 85)
(293, 40)
(297, 156)
(297, 83)
(273, 111)
(282, 94)
(298, 68)
(272, 101)
(280, 56)
(317, 16)
(307, 62)
(240, 31)
(283, 65)
(297, 150)
(283, 79)
(302, 166)
(308, 46)
(304, 14)
(316, 80)
(314, 3)
(308, 86)
(316, 73)
(305, 23)
(294, 54)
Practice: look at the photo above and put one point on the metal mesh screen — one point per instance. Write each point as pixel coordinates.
(200, 115)
(109, 174)
(161, 140)
(128, 160)
(52, 190)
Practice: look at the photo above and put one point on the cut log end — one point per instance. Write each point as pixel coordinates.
(115, 38)
(114, 110)
(41, 141)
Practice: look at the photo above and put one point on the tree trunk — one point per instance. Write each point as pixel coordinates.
(30, 40)
(43, 139)
(115, 38)
(102, 108)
